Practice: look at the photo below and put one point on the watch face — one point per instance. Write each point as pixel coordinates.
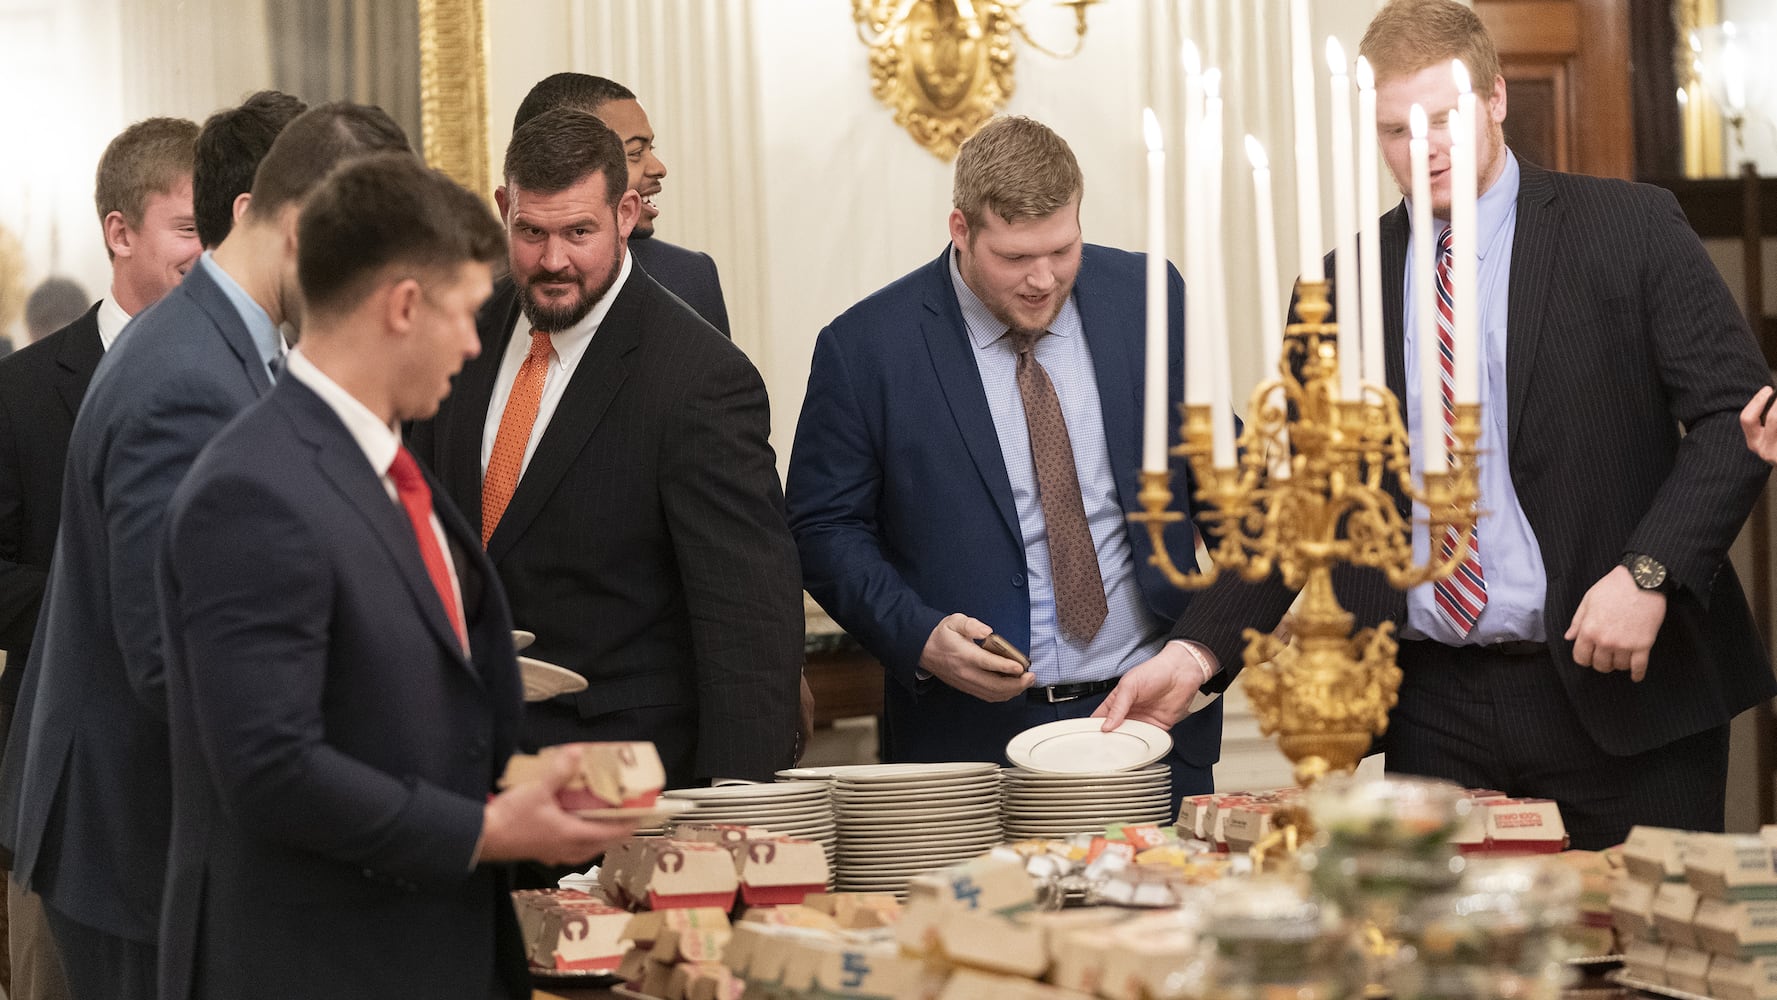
(1648, 572)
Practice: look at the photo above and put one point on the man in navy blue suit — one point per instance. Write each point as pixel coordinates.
(964, 462)
(341, 683)
(86, 761)
(689, 274)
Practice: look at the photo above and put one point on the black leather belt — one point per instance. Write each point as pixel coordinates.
(1517, 647)
(1055, 694)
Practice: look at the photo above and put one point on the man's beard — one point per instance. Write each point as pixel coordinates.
(547, 318)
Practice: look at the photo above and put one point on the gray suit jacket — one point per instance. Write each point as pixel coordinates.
(86, 772)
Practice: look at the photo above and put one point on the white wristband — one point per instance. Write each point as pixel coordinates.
(1197, 657)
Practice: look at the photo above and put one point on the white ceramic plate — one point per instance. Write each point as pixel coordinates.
(768, 790)
(522, 639)
(1072, 746)
(543, 681)
(890, 772)
(661, 809)
(1019, 775)
(1089, 801)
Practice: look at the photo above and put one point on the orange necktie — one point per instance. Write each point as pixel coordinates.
(507, 459)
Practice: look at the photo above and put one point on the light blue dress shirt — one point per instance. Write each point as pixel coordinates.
(1131, 633)
(1510, 558)
(264, 332)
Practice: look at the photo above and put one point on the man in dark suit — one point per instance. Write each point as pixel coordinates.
(689, 274)
(91, 808)
(612, 449)
(1613, 644)
(229, 149)
(914, 482)
(143, 192)
(340, 678)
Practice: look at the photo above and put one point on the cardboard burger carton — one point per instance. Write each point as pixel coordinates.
(1687, 970)
(987, 941)
(1655, 854)
(1193, 811)
(581, 935)
(779, 870)
(1731, 866)
(1632, 905)
(611, 775)
(1745, 929)
(1646, 960)
(676, 875)
(988, 884)
(1523, 826)
(1246, 824)
(845, 969)
(1675, 913)
(1743, 979)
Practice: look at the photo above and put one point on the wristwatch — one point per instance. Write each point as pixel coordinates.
(1647, 572)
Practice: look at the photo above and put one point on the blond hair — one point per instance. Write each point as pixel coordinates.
(1409, 35)
(1017, 168)
(150, 157)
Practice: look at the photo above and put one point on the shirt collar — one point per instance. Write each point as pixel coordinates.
(376, 439)
(266, 338)
(984, 328)
(112, 319)
(571, 344)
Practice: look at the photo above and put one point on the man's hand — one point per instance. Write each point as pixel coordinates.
(1761, 433)
(1158, 691)
(952, 656)
(1616, 624)
(524, 823)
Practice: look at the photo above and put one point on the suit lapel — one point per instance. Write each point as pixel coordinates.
(1394, 297)
(953, 359)
(596, 379)
(1116, 370)
(1533, 258)
(210, 297)
(76, 359)
(341, 463)
(461, 432)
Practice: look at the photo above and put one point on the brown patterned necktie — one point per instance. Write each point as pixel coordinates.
(1073, 562)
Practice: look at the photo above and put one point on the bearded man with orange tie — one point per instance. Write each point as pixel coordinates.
(612, 448)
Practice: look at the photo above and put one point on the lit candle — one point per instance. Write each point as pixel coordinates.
(1369, 222)
(1425, 319)
(1464, 286)
(1153, 454)
(1308, 235)
(1222, 401)
(1198, 237)
(1345, 275)
(1270, 299)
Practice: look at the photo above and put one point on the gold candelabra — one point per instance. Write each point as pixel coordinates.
(1307, 493)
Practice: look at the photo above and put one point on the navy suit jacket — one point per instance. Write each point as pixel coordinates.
(40, 391)
(85, 777)
(902, 508)
(1619, 331)
(333, 746)
(689, 274)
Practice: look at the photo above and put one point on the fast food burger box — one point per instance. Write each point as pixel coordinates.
(777, 870)
(580, 935)
(1687, 969)
(1675, 912)
(611, 776)
(850, 969)
(1193, 810)
(699, 935)
(1215, 818)
(677, 875)
(1731, 866)
(1632, 906)
(530, 905)
(1247, 824)
(1745, 929)
(988, 884)
(1524, 826)
(1743, 978)
(1655, 854)
(1646, 960)
(984, 940)
(725, 834)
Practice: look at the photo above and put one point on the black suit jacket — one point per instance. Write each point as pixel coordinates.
(646, 545)
(689, 274)
(40, 391)
(333, 745)
(1619, 331)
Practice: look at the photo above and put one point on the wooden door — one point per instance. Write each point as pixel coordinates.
(1566, 64)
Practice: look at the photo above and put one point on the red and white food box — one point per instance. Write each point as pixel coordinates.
(676, 875)
(581, 936)
(611, 775)
(775, 871)
(1523, 826)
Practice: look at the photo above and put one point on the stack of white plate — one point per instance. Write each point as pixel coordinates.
(1038, 805)
(901, 820)
(798, 809)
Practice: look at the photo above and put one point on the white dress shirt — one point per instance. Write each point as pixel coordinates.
(112, 319)
(570, 346)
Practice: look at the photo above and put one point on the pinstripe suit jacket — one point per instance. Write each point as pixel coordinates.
(646, 545)
(1619, 332)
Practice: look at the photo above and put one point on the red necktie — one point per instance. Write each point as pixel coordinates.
(416, 499)
(1462, 595)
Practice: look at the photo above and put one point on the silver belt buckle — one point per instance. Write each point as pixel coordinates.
(1055, 699)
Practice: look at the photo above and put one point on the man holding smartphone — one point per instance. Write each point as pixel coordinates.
(965, 461)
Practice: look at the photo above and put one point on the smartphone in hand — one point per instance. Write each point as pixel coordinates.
(998, 646)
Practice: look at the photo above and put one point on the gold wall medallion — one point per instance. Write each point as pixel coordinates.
(945, 66)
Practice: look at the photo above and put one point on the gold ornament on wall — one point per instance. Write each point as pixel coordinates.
(945, 66)
(453, 90)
